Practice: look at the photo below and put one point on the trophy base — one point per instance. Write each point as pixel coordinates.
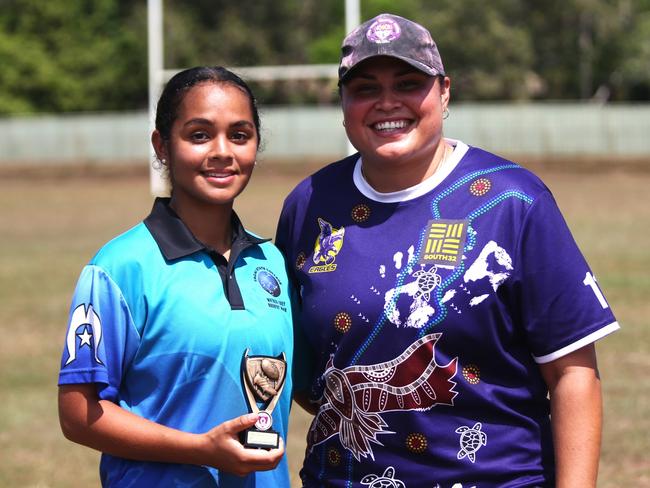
(260, 439)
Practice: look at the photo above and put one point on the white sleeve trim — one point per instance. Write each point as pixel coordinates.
(593, 337)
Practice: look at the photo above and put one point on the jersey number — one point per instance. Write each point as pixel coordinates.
(590, 280)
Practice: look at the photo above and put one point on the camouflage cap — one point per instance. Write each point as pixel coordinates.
(390, 35)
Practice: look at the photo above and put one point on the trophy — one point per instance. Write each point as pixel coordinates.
(263, 379)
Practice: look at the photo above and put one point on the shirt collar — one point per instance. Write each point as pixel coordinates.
(175, 240)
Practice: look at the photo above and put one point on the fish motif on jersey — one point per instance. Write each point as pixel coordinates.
(356, 396)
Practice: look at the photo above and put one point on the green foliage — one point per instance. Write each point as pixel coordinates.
(486, 49)
(634, 69)
(72, 55)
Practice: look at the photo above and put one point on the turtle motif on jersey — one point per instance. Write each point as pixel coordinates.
(471, 440)
(386, 480)
(427, 282)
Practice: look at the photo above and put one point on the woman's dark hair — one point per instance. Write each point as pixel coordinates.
(180, 84)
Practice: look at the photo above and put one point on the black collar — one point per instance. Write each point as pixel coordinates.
(175, 240)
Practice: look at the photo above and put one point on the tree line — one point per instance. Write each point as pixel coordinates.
(91, 55)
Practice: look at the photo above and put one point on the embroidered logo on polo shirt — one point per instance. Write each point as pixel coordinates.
(328, 244)
(268, 281)
(445, 240)
(271, 285)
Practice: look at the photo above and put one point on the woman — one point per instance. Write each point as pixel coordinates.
(163, 315)
(443, 297)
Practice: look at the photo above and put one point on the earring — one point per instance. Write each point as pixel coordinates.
(163, 161)
(445, 114)
(158, 164)
(343, 122)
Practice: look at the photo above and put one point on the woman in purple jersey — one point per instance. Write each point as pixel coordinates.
(443, 300)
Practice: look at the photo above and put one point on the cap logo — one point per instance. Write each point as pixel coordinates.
(383, 31)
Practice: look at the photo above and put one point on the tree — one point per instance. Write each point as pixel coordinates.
(71, 55)
(591, 48)
(630, 79)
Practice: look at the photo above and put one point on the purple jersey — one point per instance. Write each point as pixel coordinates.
(425, 314)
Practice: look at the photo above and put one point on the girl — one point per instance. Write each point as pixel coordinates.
(163, 314)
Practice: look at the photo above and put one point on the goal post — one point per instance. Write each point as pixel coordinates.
(158, 75)
(157, 184)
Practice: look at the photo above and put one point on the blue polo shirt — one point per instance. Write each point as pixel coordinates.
(159, 322)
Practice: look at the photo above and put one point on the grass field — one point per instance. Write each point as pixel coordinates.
(50, 226)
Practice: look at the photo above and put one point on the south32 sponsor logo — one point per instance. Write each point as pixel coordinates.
(444, 244)
(271, 285)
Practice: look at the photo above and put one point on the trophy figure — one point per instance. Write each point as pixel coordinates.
(263, 380)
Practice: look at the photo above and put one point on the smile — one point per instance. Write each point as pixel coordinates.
(216, 174)
(391, 125)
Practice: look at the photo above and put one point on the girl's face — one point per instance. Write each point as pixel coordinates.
(393, 112)
(212, 146)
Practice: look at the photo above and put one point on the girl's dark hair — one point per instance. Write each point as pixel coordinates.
(180, 84)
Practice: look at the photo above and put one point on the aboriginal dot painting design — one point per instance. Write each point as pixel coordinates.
(416, 443)
(333, 457)
(472, 374)
(480, 187)
(300, 261)
(342, 322)
(360, 213)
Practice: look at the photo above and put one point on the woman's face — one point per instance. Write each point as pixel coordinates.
(393, 112)
(212, 146)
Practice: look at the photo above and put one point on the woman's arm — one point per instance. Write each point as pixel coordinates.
(576, 416)
(107, 427)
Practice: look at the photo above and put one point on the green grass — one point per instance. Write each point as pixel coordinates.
(50, 227)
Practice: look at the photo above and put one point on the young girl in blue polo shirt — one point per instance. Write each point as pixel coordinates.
(151, 373)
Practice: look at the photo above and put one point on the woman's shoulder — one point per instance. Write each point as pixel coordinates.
(509, 174)
(128, 247)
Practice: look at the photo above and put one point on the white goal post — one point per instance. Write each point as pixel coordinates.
(158, 75)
